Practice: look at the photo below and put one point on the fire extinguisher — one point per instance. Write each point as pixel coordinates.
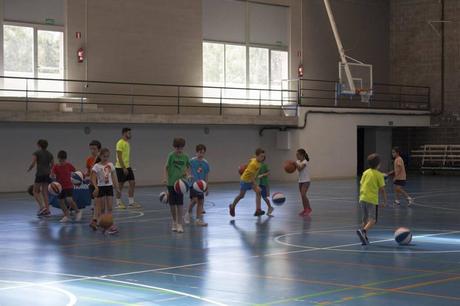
(300, 71)
(80, 55)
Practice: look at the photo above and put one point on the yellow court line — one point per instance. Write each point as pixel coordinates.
(106, 259)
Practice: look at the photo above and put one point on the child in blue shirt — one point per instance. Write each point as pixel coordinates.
(199, 167)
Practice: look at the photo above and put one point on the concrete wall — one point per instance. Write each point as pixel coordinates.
(331, 139)
(364, 28)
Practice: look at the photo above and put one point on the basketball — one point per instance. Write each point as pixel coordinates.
(77, 178)
(290, 166)
(30, 190)
(181, 186)
(106, 221)
(54, 188)
(241, 169)
(164, 197)
(403, 236)
(278, 198)
(200, 186)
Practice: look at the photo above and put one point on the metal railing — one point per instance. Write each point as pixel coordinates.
(140, 98)
(325, 93)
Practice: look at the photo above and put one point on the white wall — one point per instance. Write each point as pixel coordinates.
(331, 139)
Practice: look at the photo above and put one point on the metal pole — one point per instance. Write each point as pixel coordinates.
(27, 95)
(220, 102)
(260, 102)
(178, 99)
(81, 97)
(132, 99)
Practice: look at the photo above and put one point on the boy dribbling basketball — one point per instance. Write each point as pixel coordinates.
(372, 183)
(400, 177)
(248, 181)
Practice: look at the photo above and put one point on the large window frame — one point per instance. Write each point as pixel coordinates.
(58, 84)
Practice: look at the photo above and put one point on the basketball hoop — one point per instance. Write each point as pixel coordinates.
(365, 94)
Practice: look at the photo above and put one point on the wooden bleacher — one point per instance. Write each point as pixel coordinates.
(437, 157)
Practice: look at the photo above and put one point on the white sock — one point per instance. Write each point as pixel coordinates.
(118, 201)
(130, 201)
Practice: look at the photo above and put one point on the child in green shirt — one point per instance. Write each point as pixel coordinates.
(372, 183)
(263, 174)
(177, 167)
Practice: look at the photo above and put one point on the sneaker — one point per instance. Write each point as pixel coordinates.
(46, 213)
(365, 236)
(93, 225)
(112, 230)
(135, 205)
(410, 201)
(302, 213)
(121, 205)
(396, 203)
(180, 229)
(361, 237)
(203, 212)
(200, 222)
(259, 213)
(65, 219)
(187, 218)
(231, 210)
(174, 227)
(40, 212)
(270, 211)
(78, 216)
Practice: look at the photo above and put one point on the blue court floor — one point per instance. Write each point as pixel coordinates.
(284, 260)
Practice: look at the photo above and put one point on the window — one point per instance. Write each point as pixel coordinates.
(34, 53)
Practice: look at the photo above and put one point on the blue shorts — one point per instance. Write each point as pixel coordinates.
(245, 186)
(264, 191)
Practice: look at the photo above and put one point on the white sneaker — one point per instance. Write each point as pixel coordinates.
(78, 216)
(180, 229)
(174, 227)
(135, 205)
(270, 211)
(187, 218)
(200, 222)
(396, 203)
(65, 219)
(410, 201)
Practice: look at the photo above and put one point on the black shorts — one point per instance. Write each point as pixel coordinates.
(42, 179)
(400, 182)
(195, 194)
(122, 178)
(65, 193)
(175, 199)
(105, 191)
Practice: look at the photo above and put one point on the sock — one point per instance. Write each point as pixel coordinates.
(118, 201)
(131, 201)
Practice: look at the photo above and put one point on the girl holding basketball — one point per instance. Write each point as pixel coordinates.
(103, 177)
(304, 180)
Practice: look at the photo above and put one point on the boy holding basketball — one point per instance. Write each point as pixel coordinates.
(248, 181)
(399, 178)
(264, 172)
(199, 167)
(62, 172)
(372, 183)
(104, 178)
(177, 167)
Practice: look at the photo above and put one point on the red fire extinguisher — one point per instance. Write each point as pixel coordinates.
(300, 71)
(80, 55)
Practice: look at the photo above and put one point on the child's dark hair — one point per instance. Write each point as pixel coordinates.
(259, 151)
(200, 147)
(373, 160)
(42, 143)
(103, 151)
(304, 154)
(397, 150)
(125, 130)
(178, 142)
(62, 154)
(95, 143)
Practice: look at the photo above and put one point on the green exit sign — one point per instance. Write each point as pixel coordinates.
(50, 21)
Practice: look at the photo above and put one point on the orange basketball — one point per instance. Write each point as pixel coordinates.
(241, 169)
(290, 166)
(106, 221)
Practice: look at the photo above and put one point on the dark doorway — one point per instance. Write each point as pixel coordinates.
(360, 150)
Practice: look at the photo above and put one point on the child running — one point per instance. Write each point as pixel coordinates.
(177, 167)
(199, 167)
(304, 180)
(104, 178)
(264, 172)
(43, 159)
(62, 172)
(94, 148)
(400, 177)
(372, 183)
(248, 181)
